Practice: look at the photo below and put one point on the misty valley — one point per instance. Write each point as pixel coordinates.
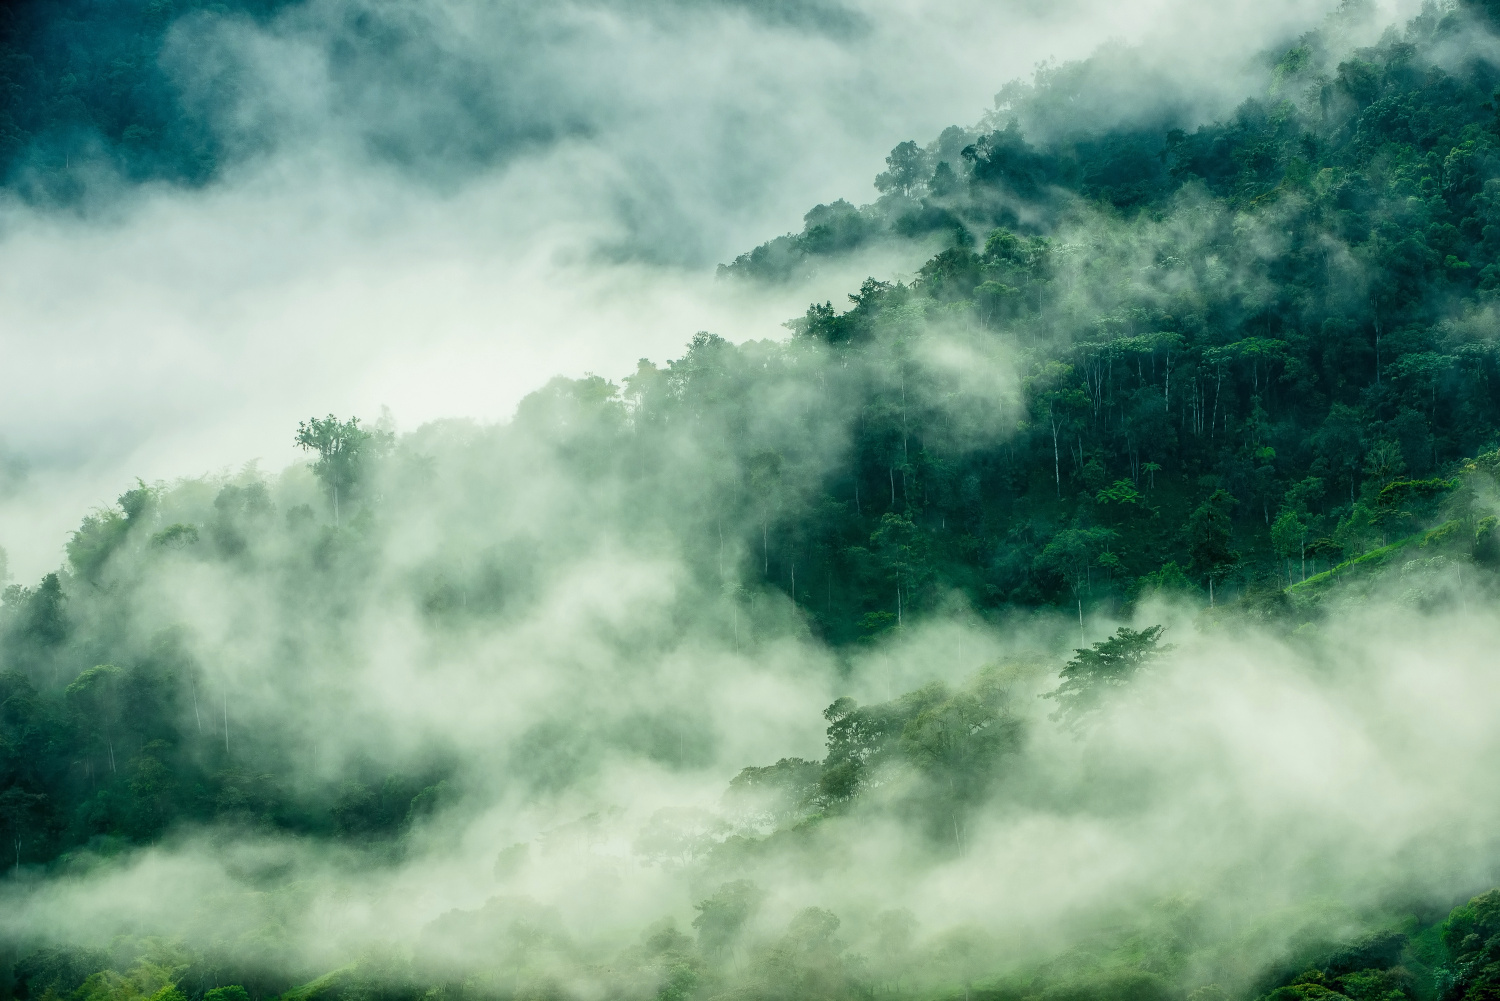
(1099, 602)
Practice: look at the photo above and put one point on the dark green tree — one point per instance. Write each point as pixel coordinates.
(905, 169)
(1107, 665)
(1209, 530)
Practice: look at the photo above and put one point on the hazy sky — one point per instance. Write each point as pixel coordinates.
(507, 192)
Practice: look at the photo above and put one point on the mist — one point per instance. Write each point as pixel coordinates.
(652, 634)
(552, 202)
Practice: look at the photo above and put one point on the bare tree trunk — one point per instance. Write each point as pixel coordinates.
(903, 414)
(1056, 462)
(194, 686)
(1218, 386)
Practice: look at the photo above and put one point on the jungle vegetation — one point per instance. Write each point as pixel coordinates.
(1250, 366)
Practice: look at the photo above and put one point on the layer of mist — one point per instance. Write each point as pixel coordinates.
(443, 243)
(517, 620)
(511, 690)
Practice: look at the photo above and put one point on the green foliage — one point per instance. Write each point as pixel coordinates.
(905, 168)
(808, 961)
(104, 532)
(722, 916)
(1108, 664)
(1209, 532)
(1370, 969)
(234, 992)
(1121, 985)
(1135, 362)
(344, 450)
(1169, 581)
(775, 793)
(1235, 420)
(1070, 555)
(1288, 534)
(1471, 936)
(933, 753)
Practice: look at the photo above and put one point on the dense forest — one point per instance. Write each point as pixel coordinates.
(1158, 391)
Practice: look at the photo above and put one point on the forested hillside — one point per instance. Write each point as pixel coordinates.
(1233, 349)
(1113, 545)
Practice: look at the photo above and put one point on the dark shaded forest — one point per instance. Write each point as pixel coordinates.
(83, 90)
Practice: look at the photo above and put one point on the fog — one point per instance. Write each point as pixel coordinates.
(539, 618)
(1272, 792)
(552, 201)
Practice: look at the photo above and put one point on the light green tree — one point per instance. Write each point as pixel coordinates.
(343, 449)
(1111, 663)
(722, 916)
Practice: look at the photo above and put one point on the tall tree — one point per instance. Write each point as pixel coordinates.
(343, 449)
(905, 168)
(1107, 665)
